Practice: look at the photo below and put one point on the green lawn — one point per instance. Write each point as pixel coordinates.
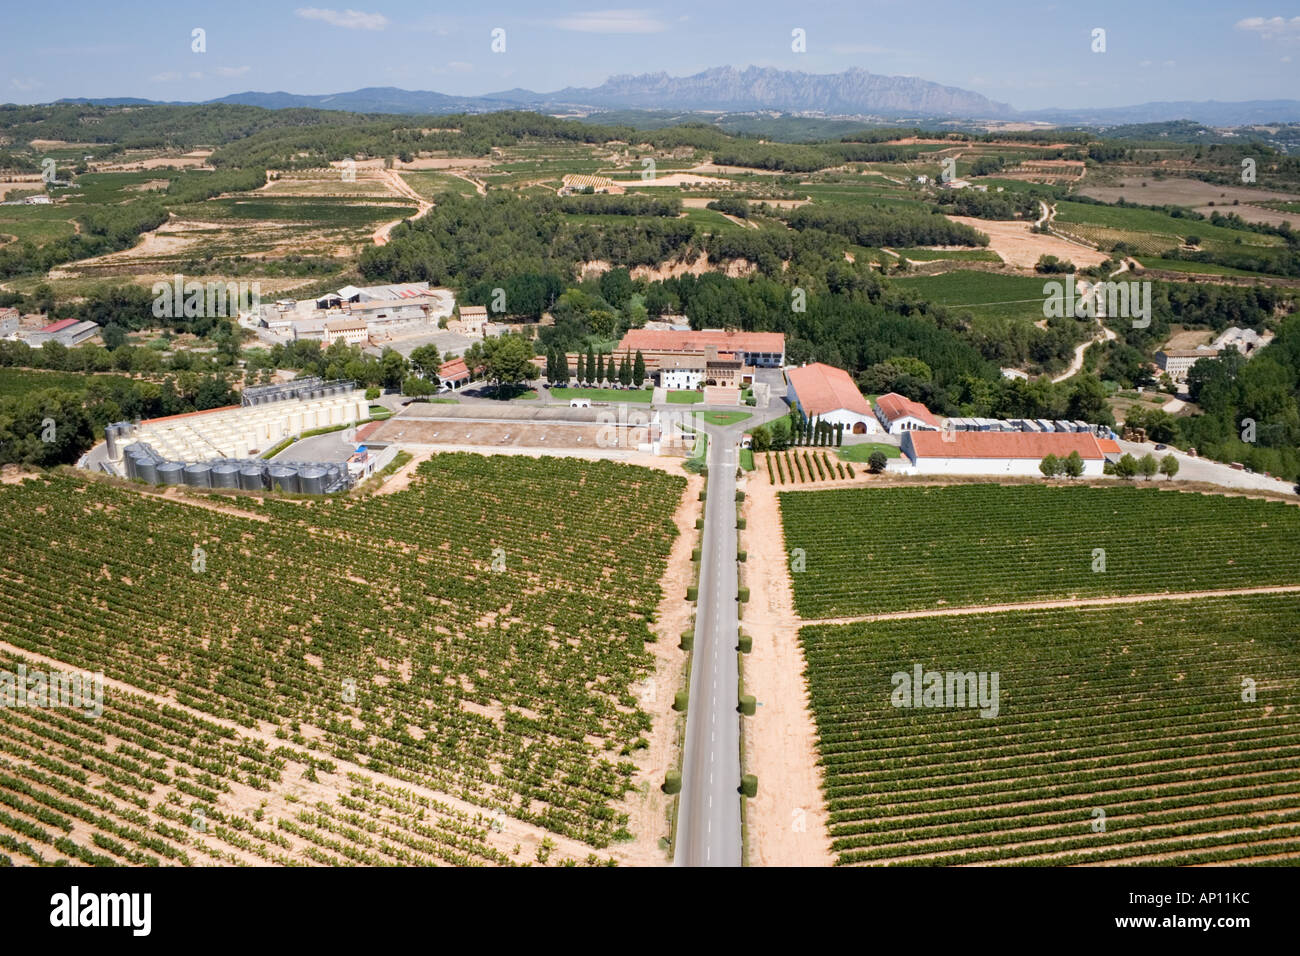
(685, 397)
(747, 459)
(725, 418)
(604, 394)
(860, 453)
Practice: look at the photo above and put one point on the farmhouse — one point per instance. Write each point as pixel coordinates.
(997, 453)
(1245, 341)
(826, 392)
(1177, 362)
(351, 331)
(900, 414)
(681, 372)
(473, 320)
(753, 349)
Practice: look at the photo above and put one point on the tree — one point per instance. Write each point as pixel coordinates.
(877, 462)
(1169, 466)
(760, 439)
(638, 370)
(1126, 467)
(1147, 466)
(1072, 465)
(625, 370)
(562, 366)
(1050, 466)
(592, 374)
(508, 359)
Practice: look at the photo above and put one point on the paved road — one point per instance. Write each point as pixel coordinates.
(708, 823)
(708, 819)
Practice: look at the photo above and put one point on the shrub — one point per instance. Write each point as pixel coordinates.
(748, 705)
(679, 701)
(672, 782)
(749, 785)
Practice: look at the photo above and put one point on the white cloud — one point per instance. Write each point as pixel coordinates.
(348, 19)
(25, 85)
(232, 70)
(1272, 27)
(169, 77)
(455, 66)
(612, 21)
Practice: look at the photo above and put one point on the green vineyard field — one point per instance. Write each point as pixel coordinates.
(477, 632)
(877, 550)
(1122, 736)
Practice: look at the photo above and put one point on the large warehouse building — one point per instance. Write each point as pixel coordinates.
(755, 349)
(999, 453)
(827, 393)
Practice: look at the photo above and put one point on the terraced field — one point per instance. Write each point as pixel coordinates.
(476, 633)
(878, 550)
(1123, 735)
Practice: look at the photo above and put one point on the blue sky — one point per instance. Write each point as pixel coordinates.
(1029, 54)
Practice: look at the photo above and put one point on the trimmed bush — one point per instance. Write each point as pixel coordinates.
(746, 643)
(692, 593)
(699, 523)
(749, 785)
(704, 495)
(742, 595)
(672, 782)
(740, 524)
(688, 640)
(740, 495)
(695, 554)
(679, 701)
(748, 705)
(740, 555)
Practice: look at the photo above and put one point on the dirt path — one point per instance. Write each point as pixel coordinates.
(787, 821)
(1047, 605)
(393, 180)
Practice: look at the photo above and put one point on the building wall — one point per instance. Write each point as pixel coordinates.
(907, 424)
(840, 415)
(1024, 467)
(681, 378)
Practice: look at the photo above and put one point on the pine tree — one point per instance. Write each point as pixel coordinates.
(625, 370)
(562, 358)
(591, 367)
(638, 370)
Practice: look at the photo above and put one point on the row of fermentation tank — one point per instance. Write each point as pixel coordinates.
(141, 463)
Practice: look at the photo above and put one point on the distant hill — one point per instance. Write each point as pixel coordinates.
(853, 94)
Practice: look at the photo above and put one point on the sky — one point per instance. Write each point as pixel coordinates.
(1032, 55)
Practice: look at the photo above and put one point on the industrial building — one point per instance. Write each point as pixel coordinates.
(67, 332)
(999, 453)
(828, 393)
(755, 349)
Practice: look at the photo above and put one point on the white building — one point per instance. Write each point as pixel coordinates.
(681, 372)
(827, 393)
(999, 453)
(899, 414)
(351, 331)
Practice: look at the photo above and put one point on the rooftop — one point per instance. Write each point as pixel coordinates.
(824, 388)
(671, 340)
(1032, 445)
(894, 406)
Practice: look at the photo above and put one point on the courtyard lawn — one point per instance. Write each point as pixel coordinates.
(860, 453)
(604, 394)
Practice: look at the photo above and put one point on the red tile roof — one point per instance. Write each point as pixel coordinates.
(895, 406)
(824, 388)
(455, 369)
(1033, 445)
(669, 340)
(60, 325)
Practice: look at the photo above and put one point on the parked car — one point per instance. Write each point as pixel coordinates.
(1161, 447)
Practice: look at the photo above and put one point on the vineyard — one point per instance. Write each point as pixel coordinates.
(1124, 734)
(804, 467)
(876, 550)
(476, 633)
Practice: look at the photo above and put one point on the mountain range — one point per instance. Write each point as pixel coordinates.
(854, 93)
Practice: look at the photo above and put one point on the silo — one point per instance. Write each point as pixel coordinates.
(225, 476)
(146, 470)
(128, 467)
(250, 478)
(111, 437)
(198, 475)
(283, 478)
(308, 418)
(295, 423)
(311, 480)
(171, 473)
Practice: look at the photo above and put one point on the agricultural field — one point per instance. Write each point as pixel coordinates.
(801, 466)
(441, 637)
(983, 294)
(20, 381)
(1121, 734)
(928, 543)
(957, 255)
(1148, 231)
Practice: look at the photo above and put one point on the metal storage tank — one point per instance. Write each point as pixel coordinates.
(295, 422)
(171, 473)
(198, 475)
(146, 469)
(283, 478)
(225, 476)
(111, 436)
(311, 480)
(250, 478)
(128, 466)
